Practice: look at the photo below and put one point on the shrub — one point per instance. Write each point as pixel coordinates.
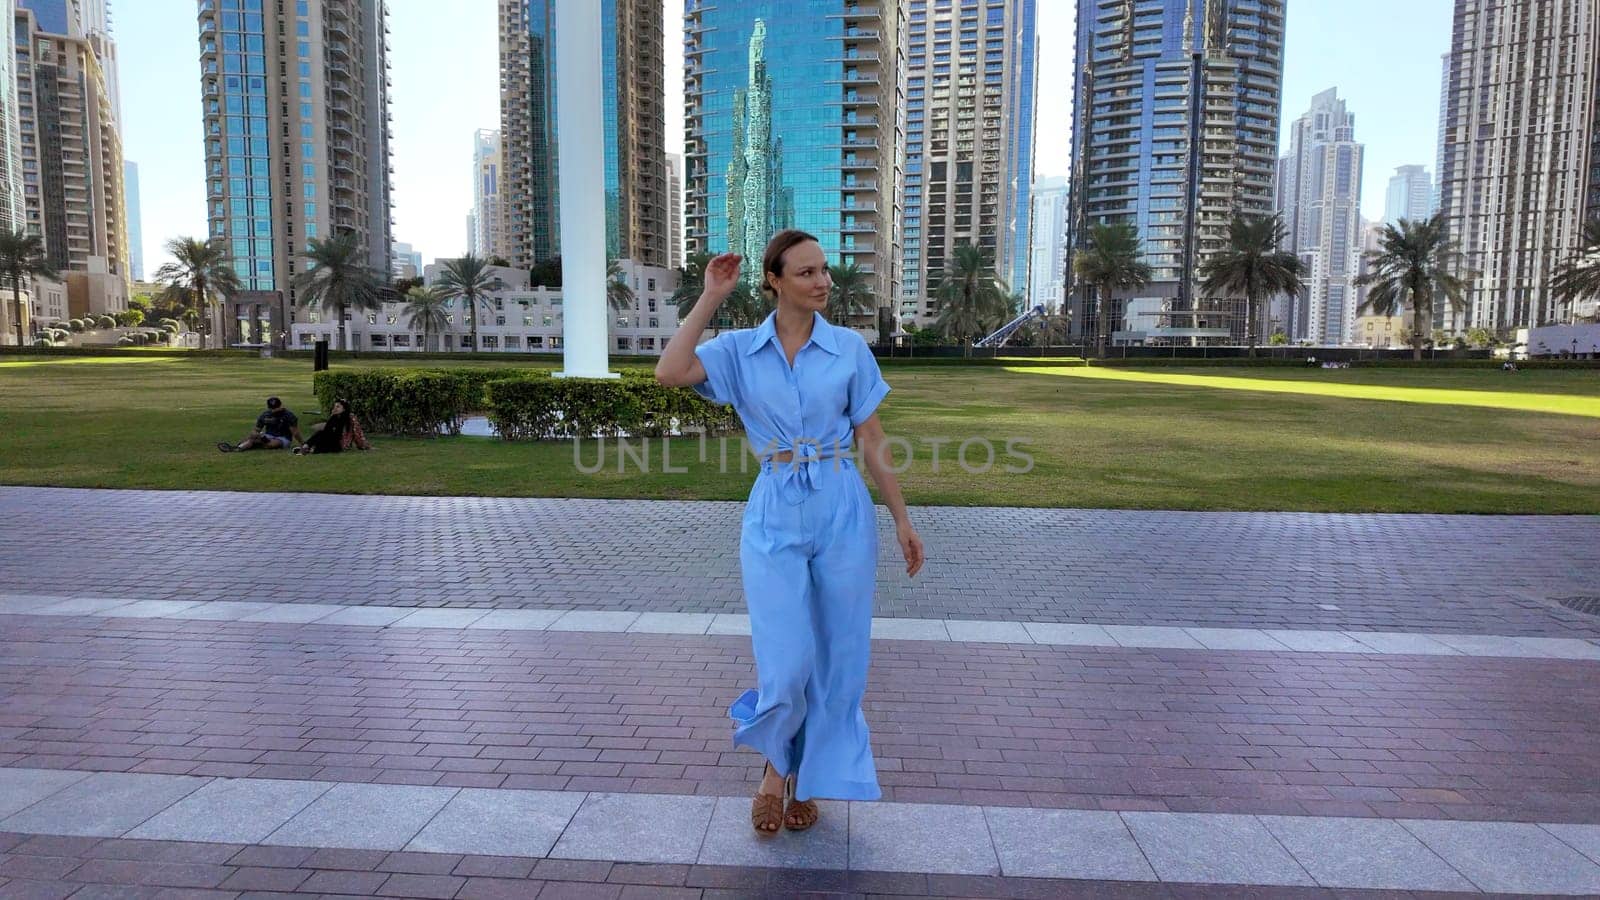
(523, 404)
(540, 408)
(75, 324)
(43, 342)
(105, 322)
(125, 341)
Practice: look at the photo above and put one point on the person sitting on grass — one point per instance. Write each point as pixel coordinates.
(276, 429)
(341, 432)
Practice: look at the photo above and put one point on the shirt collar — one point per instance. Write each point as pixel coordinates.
(821, 334)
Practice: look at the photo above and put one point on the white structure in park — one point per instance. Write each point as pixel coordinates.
(581, 178)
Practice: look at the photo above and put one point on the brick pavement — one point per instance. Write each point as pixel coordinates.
(1464, 574)
(965, 723)
(52, 867)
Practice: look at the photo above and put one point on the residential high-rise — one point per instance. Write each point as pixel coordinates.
(969, 141)
(1519, 141)
(1444, 116)
(675, 257)
(1047, 273)
(1410, 195)
(406, 262)
(1319, 197)
(71, 152)
(11, 207)
(1148, 76)
(297, 141)
(130, 193)
(488, 240)
(794, 111)
(633, 66)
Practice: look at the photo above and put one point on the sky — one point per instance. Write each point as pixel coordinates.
(1382, 55)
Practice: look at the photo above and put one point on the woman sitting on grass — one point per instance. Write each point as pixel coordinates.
(338, 434)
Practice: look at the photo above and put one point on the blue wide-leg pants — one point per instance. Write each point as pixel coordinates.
(809, 550)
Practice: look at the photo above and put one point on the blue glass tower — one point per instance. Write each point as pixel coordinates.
(792, 122)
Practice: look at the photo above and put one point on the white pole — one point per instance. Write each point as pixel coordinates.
(581, 179)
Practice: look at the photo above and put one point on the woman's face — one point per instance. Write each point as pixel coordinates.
(338, 407)
(805, 282)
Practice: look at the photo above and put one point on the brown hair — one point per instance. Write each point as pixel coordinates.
(772, 260)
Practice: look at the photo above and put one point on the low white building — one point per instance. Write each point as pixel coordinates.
(521, 319)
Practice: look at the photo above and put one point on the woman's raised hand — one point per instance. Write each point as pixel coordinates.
(722, 275)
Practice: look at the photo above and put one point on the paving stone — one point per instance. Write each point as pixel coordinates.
(27, 603)
(106, 804)
(730, 623)
(586, 620)
(1142, 636)
(915, 837)
(987, 632)
(232, 811)
(519, 619)
(293, 613)
(1059, 633)
(149, 609)
(1396, 642)
(732, 841)
(1509, 856)
(363, 816)
(21, 788)
(1213, 849)
(83, 606)
(628, 828)
(1363, 853)
(369, 616)
(1236, 639)
(498, 823)
(671, 623)
(225, 610)
(440, 618)
(1061, 843)
(1561, 648)
(1316, 641)
(1583, 838)
(909, 630)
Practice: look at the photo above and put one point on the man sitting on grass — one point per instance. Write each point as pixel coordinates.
(276, 429)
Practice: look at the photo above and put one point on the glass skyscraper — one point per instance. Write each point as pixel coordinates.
(970, 96)
(793, 121)
(634, 117)
(1148, 78)
(297, 140)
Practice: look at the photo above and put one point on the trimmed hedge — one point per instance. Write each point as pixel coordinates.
(523, 404)
(634, 405)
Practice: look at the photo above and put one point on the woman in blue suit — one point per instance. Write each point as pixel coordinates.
(807, 393)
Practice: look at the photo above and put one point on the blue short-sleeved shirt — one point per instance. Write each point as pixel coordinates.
(834, 385)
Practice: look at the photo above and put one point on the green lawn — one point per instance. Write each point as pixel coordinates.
(1448, 440)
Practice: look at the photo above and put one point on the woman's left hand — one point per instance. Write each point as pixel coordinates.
(910, 548)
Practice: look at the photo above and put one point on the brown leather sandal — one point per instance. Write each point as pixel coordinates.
(766, 811)
(800, 814)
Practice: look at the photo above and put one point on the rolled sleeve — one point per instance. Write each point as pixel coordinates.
(867, 387)
(718, 357)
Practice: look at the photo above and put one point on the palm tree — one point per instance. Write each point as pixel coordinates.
(200, 278)
(1579, 277)
(1110, 260)
(1253, 266)
(971, 296)
(22, 256)
(1414, 267)
(469, 280)
(618, 294)
(428, 310)
(851, 294)
(339, 279)
(691, 282)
